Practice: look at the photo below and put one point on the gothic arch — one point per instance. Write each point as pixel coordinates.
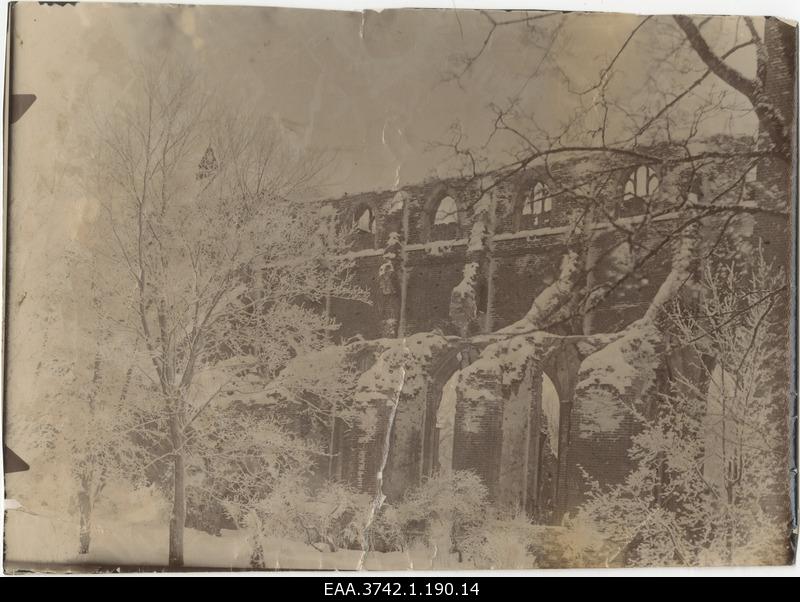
(415, 438)
(443, 223)
(533, 203)
(364, 227)
(515, 433)
(544, 436)
(437, 455)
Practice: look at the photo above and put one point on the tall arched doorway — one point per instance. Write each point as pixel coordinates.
(445, 426)
(543, 454)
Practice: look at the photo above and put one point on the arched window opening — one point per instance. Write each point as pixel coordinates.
(538, 204)
(641, 184)
(366, 221)
(446, 212)
(445, 425)
(551, 410)
(541, 504)
(443, 220)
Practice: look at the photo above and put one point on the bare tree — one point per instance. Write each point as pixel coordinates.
(701, 195)
(207, 266)
(660, 123)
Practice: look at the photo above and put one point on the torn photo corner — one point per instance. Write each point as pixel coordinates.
(411, 289)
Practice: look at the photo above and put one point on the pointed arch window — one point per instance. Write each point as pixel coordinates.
(542, 502)
(538, 204)
(446, 212)
(365, 221)
(641, 184)
(551, 412)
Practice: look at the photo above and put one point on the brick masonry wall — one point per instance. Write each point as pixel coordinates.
(478, 439)
(525, 258)
(524, 264)
(431, 279)
(513, 475)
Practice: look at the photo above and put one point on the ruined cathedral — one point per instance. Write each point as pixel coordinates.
(454, 375)
(447, 266)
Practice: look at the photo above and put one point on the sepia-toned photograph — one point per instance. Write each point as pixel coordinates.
(409, 290)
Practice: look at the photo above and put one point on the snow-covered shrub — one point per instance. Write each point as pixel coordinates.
(205, 512)
(387, 531)
(326, 517)
(333, 515)
(502, 543)
(439, 513)
(582, 544)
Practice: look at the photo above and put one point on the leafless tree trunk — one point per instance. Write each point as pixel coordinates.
(178, 513)
(85, 510)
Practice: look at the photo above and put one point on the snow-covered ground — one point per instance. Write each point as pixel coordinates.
(39, 539)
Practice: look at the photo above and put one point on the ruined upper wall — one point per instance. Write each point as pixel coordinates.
(526, 244)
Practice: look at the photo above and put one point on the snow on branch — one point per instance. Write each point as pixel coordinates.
(400, 370)
(613, 380)
(553, 300)
(463, 297)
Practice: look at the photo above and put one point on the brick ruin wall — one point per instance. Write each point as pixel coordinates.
(508, 447)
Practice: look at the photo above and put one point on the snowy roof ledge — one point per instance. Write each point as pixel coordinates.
(529, 234)
(437, 246)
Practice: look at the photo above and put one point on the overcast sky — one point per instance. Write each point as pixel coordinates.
(370, 86)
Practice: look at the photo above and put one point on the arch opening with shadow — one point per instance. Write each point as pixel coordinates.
(442, 219)
(363, 229)
(422, 432)
(445, 427)
(543, 459)
(529, 455)
(440, 416)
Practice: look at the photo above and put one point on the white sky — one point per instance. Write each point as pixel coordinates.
(369, 86)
